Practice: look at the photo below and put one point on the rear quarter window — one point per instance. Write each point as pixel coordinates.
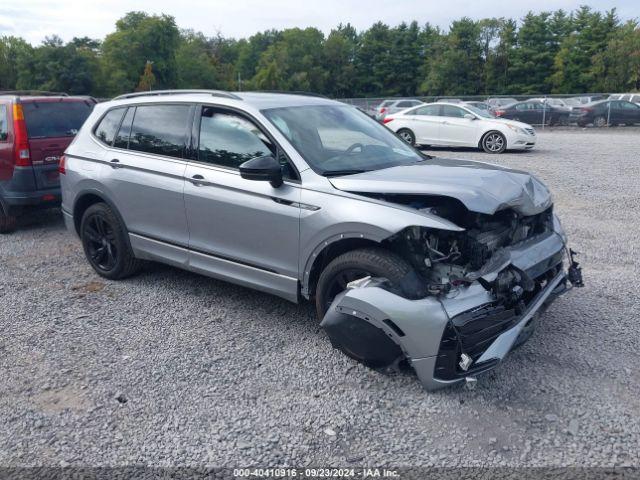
(55, 118)
(108, 126)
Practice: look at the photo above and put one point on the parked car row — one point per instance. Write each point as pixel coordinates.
(581, 110)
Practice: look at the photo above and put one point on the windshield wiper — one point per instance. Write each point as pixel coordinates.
(335, 173)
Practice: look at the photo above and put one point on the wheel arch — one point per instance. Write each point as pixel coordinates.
(89, 197)
(328, 251)
(493, 130)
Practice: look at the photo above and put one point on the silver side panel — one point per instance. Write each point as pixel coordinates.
(280, 285)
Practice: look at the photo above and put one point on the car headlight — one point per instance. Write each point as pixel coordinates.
(519, 130)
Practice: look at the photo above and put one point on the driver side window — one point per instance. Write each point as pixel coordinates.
(228, 140)
(451, 111)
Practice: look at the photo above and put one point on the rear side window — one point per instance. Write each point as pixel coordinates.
(122, 138)
(229, 140)
(4, 124)
(108, 126)
(160, 129)
(55, 118)
(432, 110)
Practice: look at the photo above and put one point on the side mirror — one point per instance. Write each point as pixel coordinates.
(263, 169)
(469, 116)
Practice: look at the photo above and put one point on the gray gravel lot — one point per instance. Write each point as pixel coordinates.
(171, 368)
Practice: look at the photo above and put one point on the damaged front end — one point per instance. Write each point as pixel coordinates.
(473, 298)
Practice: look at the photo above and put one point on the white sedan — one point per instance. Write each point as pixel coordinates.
(459, 125)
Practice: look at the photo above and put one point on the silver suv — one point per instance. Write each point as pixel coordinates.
(411, 260)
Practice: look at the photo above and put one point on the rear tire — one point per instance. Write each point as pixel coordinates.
(407, 135)
(374, 262)
(7, 222)
(106, 243)
(600, 121)
(493, 142)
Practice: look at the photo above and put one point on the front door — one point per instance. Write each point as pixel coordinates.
(243, 230)
(456, 130)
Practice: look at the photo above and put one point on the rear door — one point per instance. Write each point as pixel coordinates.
(51, 125)
(144, 172)
(425, 124)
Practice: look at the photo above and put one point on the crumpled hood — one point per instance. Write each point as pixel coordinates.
(481, 187)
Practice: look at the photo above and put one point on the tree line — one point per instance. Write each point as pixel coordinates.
(549, 52)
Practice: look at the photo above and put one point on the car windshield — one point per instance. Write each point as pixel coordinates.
(477, 111)
(340, 140)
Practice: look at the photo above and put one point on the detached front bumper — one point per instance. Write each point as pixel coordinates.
(433, 333)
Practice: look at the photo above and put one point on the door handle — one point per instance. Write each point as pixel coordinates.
(115, 163)
(197, 179)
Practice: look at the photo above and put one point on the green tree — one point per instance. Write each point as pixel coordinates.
(499, 58)
(458, 69)
(14, 52)
(139, 38)
(617, 67)
(533, 57)
(372, 62)
(591, 32)
(339, 55)
(194, 63)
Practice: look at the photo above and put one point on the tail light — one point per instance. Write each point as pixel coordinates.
(586, 110)
(382, 110)
(21, 144)
(499, 113)
(387, 120)
(62, 166)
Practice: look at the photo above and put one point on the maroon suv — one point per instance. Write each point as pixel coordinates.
(34, 133)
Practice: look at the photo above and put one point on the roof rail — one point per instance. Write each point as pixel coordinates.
(215, 93)
(44, 93)
(292, 92)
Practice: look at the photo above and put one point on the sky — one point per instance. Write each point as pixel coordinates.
(36, 19)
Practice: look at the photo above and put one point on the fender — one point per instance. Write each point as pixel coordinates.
(361, 218)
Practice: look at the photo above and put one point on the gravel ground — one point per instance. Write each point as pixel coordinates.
(172, 369)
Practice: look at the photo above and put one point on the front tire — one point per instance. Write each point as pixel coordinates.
(407, 135)
(493, 142)
(105, 243)
(354, 265)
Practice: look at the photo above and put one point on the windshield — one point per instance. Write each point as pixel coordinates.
(339, 140)
(477, 111)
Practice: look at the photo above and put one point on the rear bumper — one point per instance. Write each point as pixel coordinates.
(434, 332)
(22, 190)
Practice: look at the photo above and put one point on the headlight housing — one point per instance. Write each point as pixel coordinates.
(519, 130)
